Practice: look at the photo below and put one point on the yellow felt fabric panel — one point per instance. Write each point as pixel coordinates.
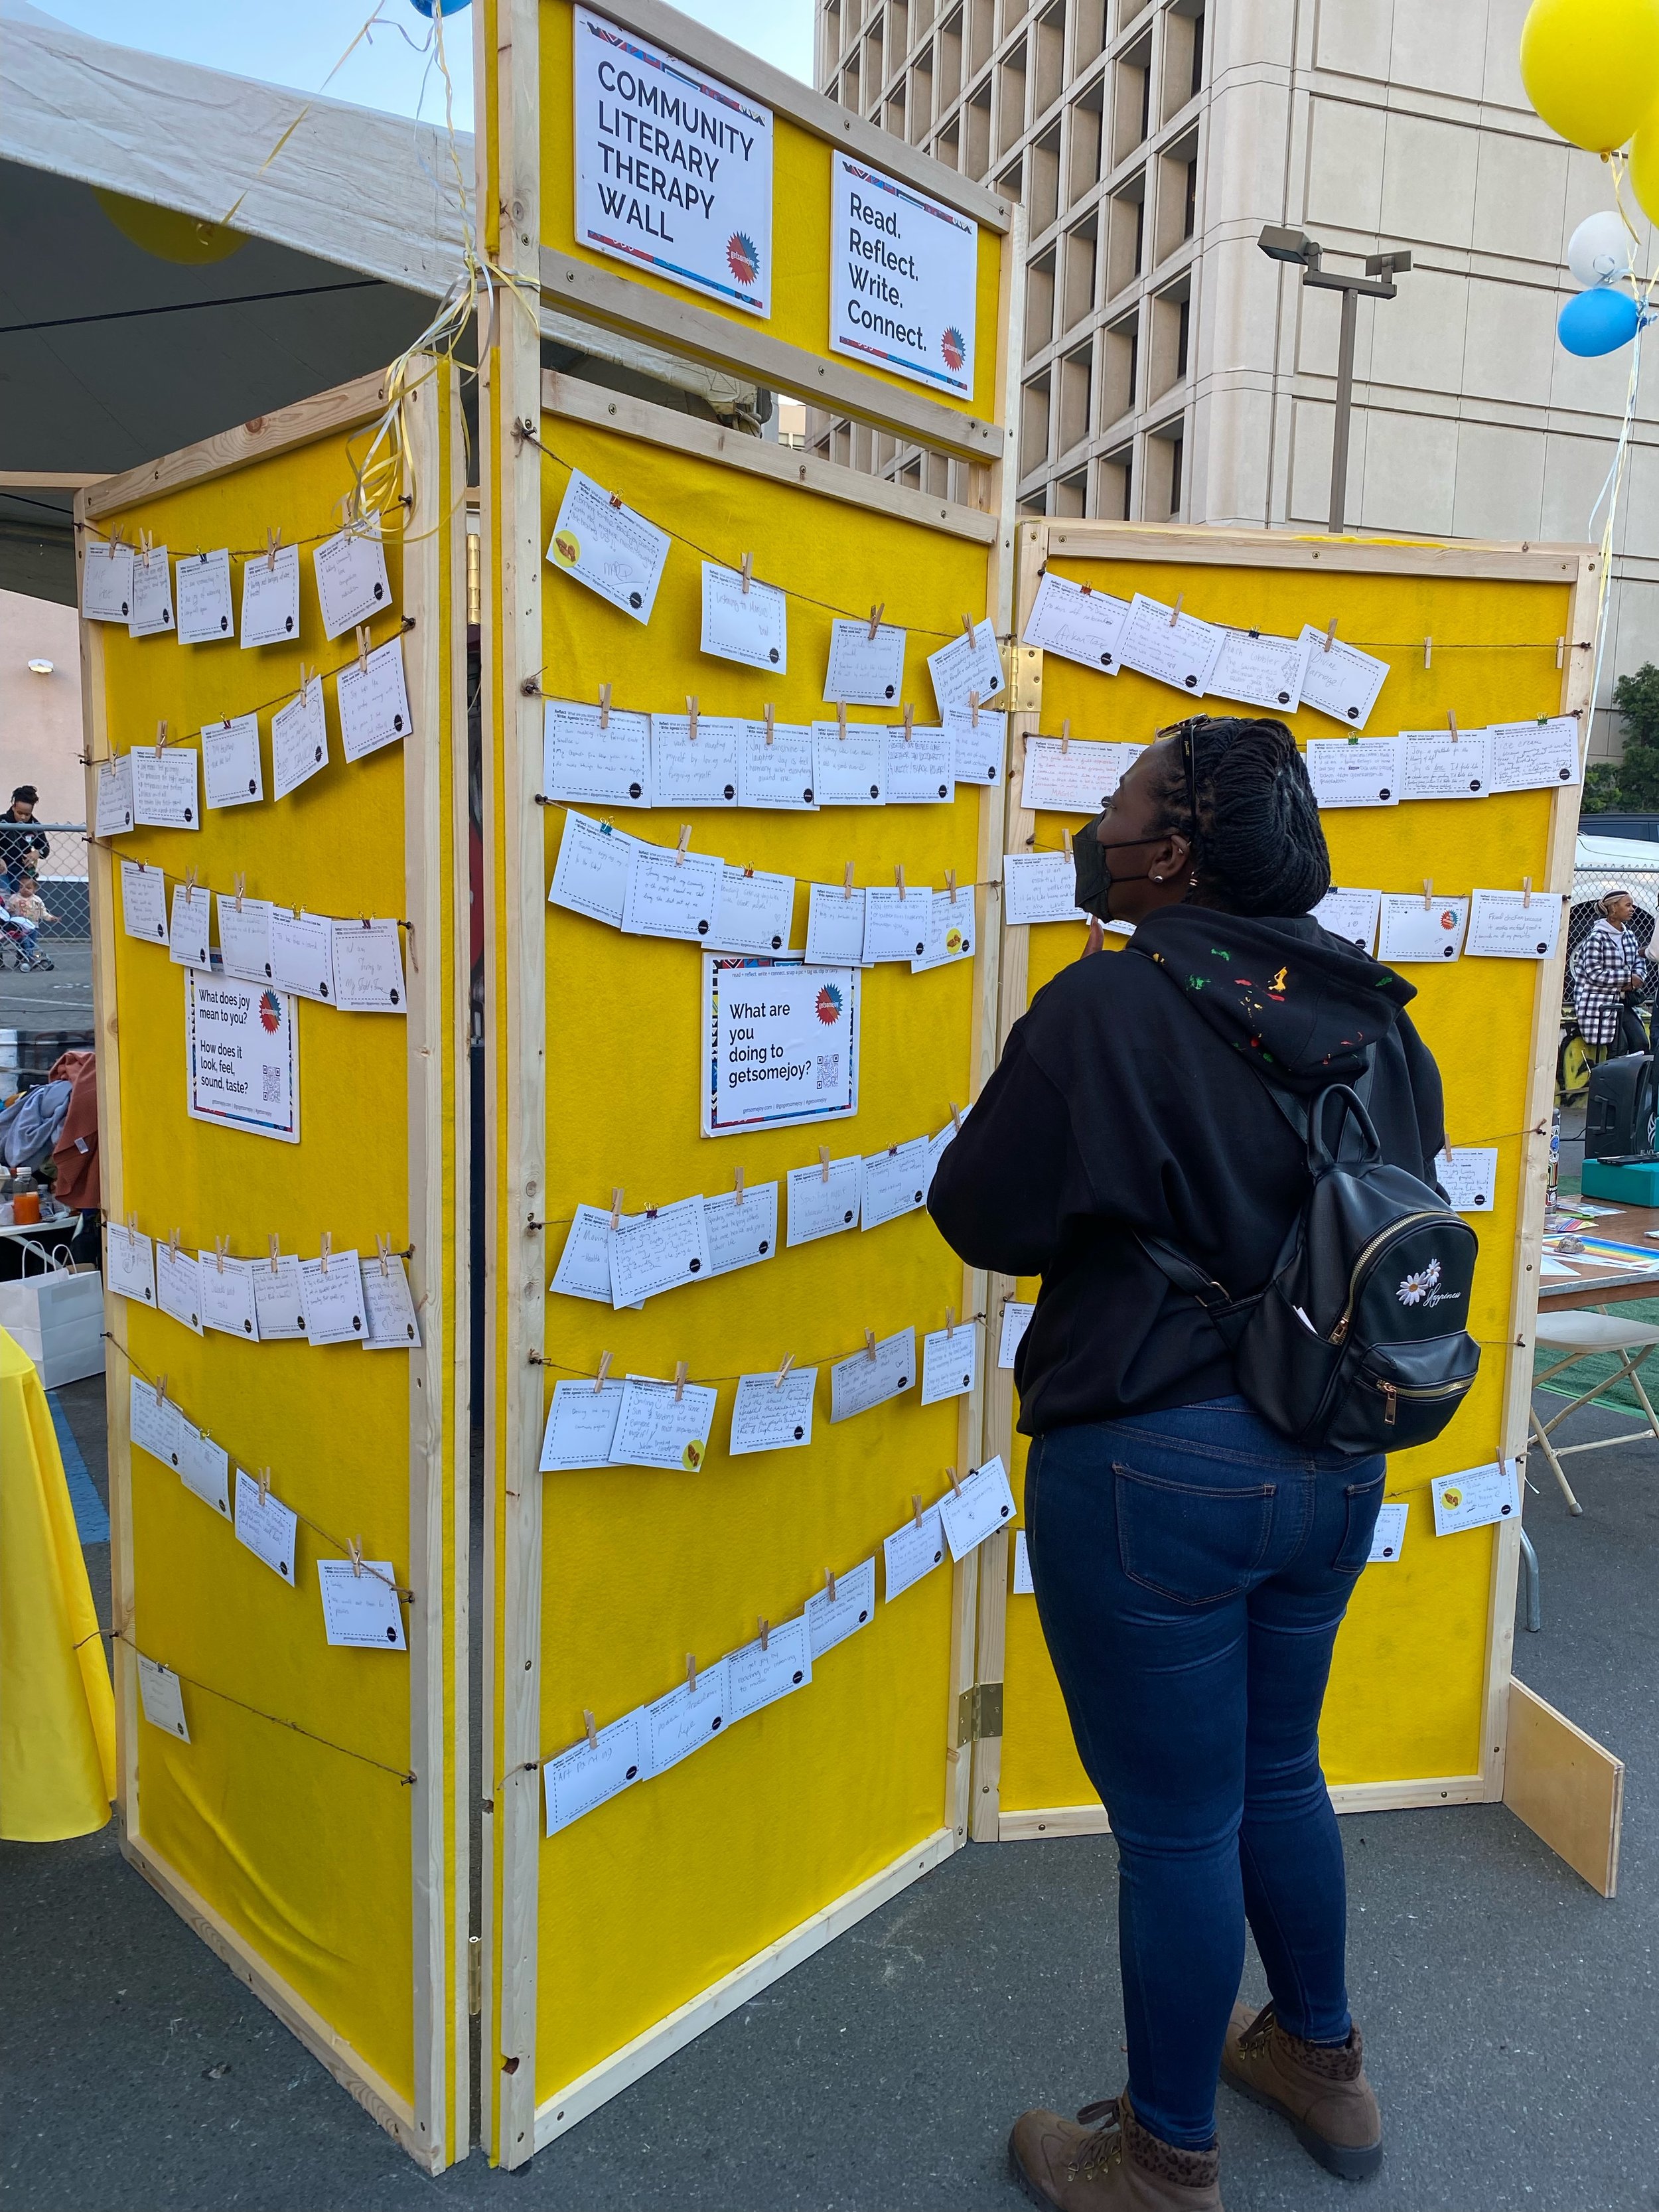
(655, 1896)
(304, 1851)
(800, 234)
(1407, 1685)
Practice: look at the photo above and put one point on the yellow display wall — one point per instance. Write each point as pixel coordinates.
(1417, 1702)
(312, 1830)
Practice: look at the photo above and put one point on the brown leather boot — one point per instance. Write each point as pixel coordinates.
(1321, 2091)
(1106, 2161)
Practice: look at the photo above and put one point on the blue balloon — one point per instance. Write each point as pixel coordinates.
(446, 7)
(1598, 321)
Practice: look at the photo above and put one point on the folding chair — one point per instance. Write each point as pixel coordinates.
(1580, 1335)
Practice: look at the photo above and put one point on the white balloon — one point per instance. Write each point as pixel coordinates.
(1598, 252)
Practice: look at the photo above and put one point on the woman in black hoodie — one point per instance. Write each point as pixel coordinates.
(1191, 1566)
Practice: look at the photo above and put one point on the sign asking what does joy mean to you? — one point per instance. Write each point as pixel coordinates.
(673, 168)
(903, 278)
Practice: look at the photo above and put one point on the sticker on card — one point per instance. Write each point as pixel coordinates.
(664, 1424)
(1426, 928)
(949, 931)
(1477, 1498)
(359, 1605)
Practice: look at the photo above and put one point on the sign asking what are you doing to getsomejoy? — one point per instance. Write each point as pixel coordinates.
(673, 168)
(904, 273)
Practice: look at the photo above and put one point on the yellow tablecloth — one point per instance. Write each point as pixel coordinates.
(57, 1712)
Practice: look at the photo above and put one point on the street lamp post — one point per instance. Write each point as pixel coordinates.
(1377, 283)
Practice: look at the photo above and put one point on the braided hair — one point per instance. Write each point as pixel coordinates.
(1236, 787)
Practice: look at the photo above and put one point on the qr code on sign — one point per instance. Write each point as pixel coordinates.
(829, 1071)
(273, 1086)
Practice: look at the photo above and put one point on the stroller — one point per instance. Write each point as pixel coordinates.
(17, 942)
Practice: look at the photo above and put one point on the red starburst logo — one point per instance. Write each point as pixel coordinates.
(828, 1005)
(741, 258)
(952, 347)
(270, 1013)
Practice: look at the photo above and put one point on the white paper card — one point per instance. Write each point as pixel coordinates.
(949, 931)
(387, 1306)
(581, 1426)
(1074, 778)
(1182, 652)
(753, 912)
(671, 895)
(1410, 930)
(850, 770)
(1508, 926)
(980, 743)
(114, 797)
(245, 937)
(231, 774)
(1468, 1176)
(266, 1527)
(912, 1551)
(163, 1698)
(831, 1620)
(589, 876)
(699, 771)
(152, 594)
(654, 1428)
(227, 1293)
(1354, 772)
(144, 901)
(302, 954)
(299, 740)
(1024, 1586)
(178, 1286)
(896, 923)
(153, 1423)
(591, 1773)
(201, 586)
(333, 1299)
(608, 766)
(948, 1362)
(987, 1504)
(271, 598)
(1016, 1320)
(894, 1183)
(1039, 887)
(129, 1264)
(1477, 1498)
(817, 1207)
(584, 1268)
(966, 669)
(351, 580)
(768, 1415)
(1077, 622)
(860, 1381)
(164, 788)
(922, 768)
(1433, 765)
(190, 933)
(1534, 756)
(105, 579)
(1351, 914)
(1388, 1537)
(279, 1299)
(374, 702)
(750, 626)
(658, 1250)
(741, 1235)
(361, 1610)
(606, 546)
(1261, 671)
(368, 959)
(204, 1467)
(1342, 683)
(835, 926)
(865, 671)
(686, 1719)
(779, 775)
(759, 1674)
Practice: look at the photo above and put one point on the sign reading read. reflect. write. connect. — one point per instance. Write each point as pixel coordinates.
(903, 279)
(673, 168)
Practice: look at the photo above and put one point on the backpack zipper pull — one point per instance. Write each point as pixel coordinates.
(1391, 1403)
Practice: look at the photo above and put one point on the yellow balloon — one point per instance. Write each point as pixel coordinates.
(1644, 167)
(171, 236)
(1591, 67)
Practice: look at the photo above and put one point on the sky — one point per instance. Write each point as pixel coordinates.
(298, 42)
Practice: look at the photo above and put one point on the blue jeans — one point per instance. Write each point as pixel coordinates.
(1191, 1570)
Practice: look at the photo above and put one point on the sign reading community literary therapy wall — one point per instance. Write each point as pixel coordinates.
(673, 168)
(782, 1041)
(243, 1052)
(904, 273)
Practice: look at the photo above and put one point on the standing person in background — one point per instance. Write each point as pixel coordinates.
(1192, 1566)
(22, 846)
(1608, 976)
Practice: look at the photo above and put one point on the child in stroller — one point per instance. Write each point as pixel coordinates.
(20, 916)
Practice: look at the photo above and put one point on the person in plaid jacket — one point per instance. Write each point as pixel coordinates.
(1608, 976)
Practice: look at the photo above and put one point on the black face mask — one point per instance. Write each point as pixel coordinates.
(1093, 871)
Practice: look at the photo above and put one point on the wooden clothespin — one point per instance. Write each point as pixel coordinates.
(1066, 838)
(355, 1552)
(1526, 890)
(132, 1231)
(273, 547)
(691, 716)
(1428, 893)
(898, 878)
(1066, 736)
(840, 718)
(765, 1627)
(950, 1322)
(616, 1209)
(264, 1486)
(328, 1246)
(876, 614)
(592, 1732)
(870, 1344)
(1087, 590)
(915, 1509)
(950, 883)
(161, 1393)
(788, 1362)
(161, 738)
(1330, 635)
(910, 717)
(954, 1485)
(362, 648)
(188, 887)
(956, 1117)
(973, 710)
(306, 675)
(146, 546)
(1428, 652)
(770, 733)
(172, 1243)
(241, 886)
(681, 848)
(221, 1246)
(692, 1672)
(1561, 652)
(968, 628)
(383, 1253)
(823, 1160)
(847, 882)
(736, 1187)
(747, 572)
(605, 1369)
(616, 499)
(1174, 611)
(1451, 723)
(604, 706)
(275, 1255)
(830, 1585)
(681, 1369)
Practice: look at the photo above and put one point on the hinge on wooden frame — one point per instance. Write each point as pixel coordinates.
(1026, 690)
(978, 1713)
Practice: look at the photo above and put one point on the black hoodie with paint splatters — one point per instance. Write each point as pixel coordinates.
(1121, 1106)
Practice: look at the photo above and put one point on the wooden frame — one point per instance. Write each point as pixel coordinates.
(427, 2125)
(1579, 569)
